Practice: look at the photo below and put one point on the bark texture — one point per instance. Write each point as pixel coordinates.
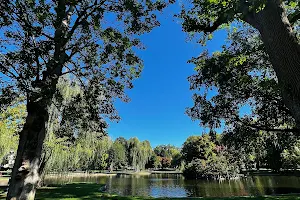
(28, 164)
(25, 174)
(283, 49)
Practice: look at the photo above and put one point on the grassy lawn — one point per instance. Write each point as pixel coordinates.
(84, 191)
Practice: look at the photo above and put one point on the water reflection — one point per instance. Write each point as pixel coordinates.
(169, 185)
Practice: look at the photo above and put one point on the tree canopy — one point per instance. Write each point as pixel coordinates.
(91, 41)
(258, 66)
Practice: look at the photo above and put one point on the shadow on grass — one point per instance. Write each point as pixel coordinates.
(78, 191)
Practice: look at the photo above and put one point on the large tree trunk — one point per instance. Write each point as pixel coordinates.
(26, 174)
(28, 164)
(283, 49)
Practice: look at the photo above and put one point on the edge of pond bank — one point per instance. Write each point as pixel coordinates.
(114, 173)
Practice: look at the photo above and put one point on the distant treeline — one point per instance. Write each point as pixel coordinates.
(74, 142)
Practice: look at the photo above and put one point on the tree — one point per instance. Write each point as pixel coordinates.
(11, 121)
(243, 79)
(275, 20)
(165, 162)
(197, 147)
(166, 150)
(122, 140)
(139, 153)
(291, 156)
(169, 154)
(258, 147)
(42, 41)
(248, 145)
(117, 155)
(154, 162)
(206, 160)
(176, 160)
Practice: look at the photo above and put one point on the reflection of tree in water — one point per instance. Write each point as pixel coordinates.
(128, 185)
(167, 185)
(175, 186)
(200, 188)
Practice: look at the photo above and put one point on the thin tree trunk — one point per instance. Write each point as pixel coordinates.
(257, 164)
(283, 49)
(25, 175)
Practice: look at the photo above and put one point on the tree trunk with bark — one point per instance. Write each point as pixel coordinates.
(282, 46)
(29, 164)
(26, 174)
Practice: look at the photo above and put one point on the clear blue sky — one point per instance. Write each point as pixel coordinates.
(156, 111)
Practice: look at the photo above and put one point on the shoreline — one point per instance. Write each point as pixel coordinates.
(113, 173)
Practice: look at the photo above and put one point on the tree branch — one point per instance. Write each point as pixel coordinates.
(286, 130)
(38, 66)
(294, 17)
(12, 74)
(195, 26)
(85, 15)
(76, 75)
(263, 128)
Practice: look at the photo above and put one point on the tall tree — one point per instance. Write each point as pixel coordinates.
(43, 40)
(243, 78)
(139, 153)
(275, 20)
(11, 121)
(166, 150)
(198, 147)
(117, 155)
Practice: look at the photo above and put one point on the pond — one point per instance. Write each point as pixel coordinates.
(172, 185)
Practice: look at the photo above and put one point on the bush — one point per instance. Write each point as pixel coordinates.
(216, 168)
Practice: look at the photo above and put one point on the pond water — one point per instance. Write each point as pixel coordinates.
(171, 185)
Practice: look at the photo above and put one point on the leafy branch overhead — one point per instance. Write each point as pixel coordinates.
(208, 15)
(91, 41)
(242, 76)
(256, 70)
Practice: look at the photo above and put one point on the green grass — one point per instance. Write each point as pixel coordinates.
(84, 191)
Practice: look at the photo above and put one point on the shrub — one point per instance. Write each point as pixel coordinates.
(216, 168)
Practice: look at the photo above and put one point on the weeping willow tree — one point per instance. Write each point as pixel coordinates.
(11, 120)
(118, 155)
(87, 153)
(139, 153)
(74, 142)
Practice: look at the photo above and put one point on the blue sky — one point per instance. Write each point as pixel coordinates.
(156, 111)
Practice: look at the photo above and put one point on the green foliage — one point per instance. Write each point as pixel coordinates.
(217, 168)
(169, 156)
(94, 43)
(260, 148)
(85, 154)
(242, 76)
(207, 16)
(139, 153)
(197, 147)
(176, 160)
(291, 156)
(117, 155)
(206, 160)
(11, 121)
(166, 150)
